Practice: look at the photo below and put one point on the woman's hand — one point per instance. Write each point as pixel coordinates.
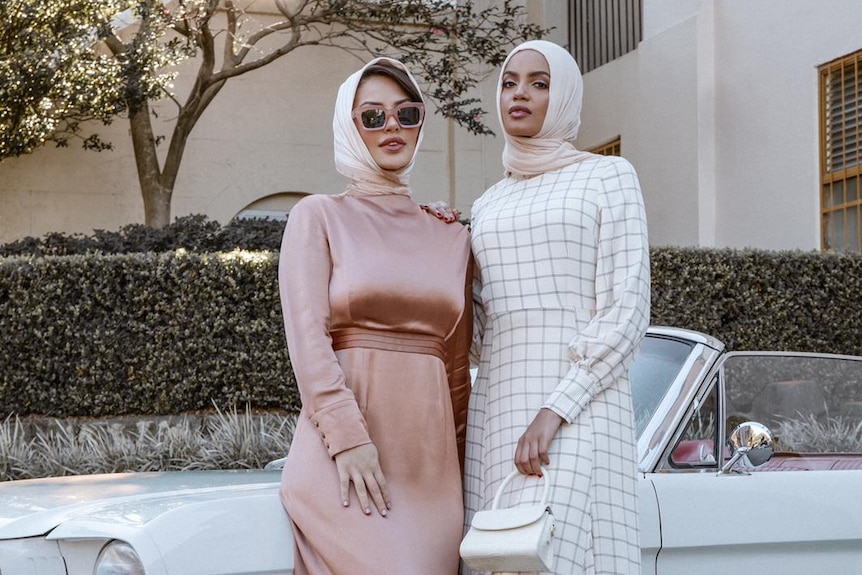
(361, 466)
(442, 210)
(532, 450)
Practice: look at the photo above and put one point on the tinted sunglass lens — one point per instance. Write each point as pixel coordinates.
(409, 116)
(375, 118)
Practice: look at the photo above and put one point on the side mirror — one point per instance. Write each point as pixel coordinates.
(752, 445)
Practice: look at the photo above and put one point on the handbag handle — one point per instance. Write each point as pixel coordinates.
(545, 477)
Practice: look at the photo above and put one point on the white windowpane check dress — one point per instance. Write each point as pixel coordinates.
(562, 302)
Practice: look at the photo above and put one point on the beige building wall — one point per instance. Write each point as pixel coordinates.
(718, 111)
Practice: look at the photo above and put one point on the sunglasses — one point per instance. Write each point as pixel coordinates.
(373, 117)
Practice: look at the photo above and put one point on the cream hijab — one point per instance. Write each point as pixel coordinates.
(352, 158)
(550, 149)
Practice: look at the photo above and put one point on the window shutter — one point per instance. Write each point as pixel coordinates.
(843, 84)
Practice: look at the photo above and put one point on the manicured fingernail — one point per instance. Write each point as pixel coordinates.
(383, 513)
(388, 505)
(368, 511)
(344, 503)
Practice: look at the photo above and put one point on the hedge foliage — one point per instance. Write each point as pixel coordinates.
(194, 233)
(176, 329)
(758, 299)
(103, 335)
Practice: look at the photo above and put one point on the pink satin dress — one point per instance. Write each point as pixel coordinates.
(378, 325)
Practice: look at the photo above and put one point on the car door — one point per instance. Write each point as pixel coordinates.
(751, 521)
(781, 522)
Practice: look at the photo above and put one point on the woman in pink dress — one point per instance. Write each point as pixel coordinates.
(378, 321)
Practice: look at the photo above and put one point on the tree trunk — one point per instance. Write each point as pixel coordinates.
(156, 195)
(157, 204)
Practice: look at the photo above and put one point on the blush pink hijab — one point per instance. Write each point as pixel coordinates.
(552, 148)
(352, 158)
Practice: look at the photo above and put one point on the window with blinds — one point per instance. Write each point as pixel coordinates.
(603, 30)
(840, 154)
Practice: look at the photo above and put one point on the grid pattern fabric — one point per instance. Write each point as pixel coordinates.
(562, 298)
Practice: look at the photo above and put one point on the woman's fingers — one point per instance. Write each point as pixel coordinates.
(384, 490)
(344, 481)
(362, 494)
(532, 449)
(361, 467)
(442, 210)
(376, 490)
(375, 486)
(527, 455)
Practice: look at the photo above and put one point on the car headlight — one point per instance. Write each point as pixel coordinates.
(118, 558)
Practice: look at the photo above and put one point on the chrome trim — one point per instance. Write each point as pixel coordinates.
(686, 335)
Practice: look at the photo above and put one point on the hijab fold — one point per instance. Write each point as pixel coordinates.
(552, 148)
(352, 158)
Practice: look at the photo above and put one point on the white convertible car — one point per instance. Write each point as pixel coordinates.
(749, 463)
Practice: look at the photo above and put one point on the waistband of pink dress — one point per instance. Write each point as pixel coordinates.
(405, 342)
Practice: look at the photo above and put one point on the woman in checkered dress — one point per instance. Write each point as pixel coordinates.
(562, 303)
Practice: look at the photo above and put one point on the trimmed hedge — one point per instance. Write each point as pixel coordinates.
(758, 299)
(195, 233)
(99, 334)
(142, 334)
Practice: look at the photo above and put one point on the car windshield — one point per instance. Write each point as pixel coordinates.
(653, 371)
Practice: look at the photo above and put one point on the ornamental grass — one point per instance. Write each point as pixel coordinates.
(223, 439)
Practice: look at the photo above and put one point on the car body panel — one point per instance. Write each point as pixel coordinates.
(648, 518)
(31, 556)
(731, 523)
(180, 523)
(37, 506)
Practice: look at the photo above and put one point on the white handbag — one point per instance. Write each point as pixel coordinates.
(514, 538)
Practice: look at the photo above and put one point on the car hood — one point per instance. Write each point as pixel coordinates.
(34, 507)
